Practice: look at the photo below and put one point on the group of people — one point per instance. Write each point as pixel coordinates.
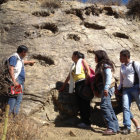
(78, 76)
(129, 85)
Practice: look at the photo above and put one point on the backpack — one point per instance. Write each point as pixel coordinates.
(86, 91)
(99, 81)
(136, 78)
(5, 79)
(92, 73)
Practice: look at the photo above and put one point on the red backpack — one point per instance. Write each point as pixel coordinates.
(92, 74)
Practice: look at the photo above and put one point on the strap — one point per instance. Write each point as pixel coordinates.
(136, 78)
(83, 66)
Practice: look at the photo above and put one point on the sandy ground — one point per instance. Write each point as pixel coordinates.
(95, 133)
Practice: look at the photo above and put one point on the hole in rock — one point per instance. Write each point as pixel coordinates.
(111, 12)
(121, 35)
(94, 26)
(49, 26)
(41, 13)
(77, 12)
(94, 10)
(74, 37)
(43, 60)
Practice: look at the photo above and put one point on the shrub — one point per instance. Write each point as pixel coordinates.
(23, 128)
(51, 3)
(134, 8)
(2, 1)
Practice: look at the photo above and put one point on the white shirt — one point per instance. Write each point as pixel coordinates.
(127, 74)
(78, 71)
(18, 67)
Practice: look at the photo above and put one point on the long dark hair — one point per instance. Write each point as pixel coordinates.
(79, 54)
(102, 58)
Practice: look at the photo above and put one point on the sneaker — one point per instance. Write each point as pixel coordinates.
(109, 132)
(138, 130)
(126, 131)
(83, 125)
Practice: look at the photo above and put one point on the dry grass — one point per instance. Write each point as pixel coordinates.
(134, 8)
(51, 3)
(23, 128)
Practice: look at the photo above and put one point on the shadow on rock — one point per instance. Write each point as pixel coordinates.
(66, 105)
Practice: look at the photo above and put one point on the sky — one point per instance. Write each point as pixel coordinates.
(123, 1)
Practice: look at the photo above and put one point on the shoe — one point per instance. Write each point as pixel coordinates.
(138, 130)
(83, 125)
(126, 131)
(122, 127)
(118, 131)
(109, 132)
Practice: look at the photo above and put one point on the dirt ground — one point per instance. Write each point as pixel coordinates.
(95, 133)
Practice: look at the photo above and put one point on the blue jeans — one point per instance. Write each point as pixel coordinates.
(15, 101)
(108, 112)
(128, 95)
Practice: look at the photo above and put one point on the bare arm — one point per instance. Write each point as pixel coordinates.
(86, 67)
(29, 62)
(66, 81)
(11, 71)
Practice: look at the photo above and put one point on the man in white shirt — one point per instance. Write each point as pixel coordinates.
(130, 83)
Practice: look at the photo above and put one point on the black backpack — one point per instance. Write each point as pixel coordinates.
(136, 78)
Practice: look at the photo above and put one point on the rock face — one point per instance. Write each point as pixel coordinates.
(52, 35)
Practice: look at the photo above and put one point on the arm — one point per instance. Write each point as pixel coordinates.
(86, 67)
(121, 80)
(108, 76)
(66, 81)
(11, 71)
(12, 64)
(29, 62)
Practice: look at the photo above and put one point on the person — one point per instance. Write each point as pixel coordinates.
(119, 108)
(17, 74)
(130, 84)
(77, 77)
(103, 89)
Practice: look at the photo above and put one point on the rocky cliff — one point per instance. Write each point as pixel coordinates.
(52, 34)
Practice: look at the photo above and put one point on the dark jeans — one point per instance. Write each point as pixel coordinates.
(108, 112)
(84, 105)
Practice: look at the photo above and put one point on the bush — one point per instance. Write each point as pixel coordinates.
(51, 3)
(23, 128)
(2, 1)
(134, 8)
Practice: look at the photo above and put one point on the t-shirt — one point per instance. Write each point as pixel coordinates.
(13, 62)
(78, 77)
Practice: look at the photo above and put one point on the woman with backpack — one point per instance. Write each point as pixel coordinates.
(78, 73)
(102, 87)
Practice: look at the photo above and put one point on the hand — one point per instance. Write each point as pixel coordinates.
(105, 92)
(16, 84)
(116, 92)
(88, 75)
(32, 63)
(61, 89)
